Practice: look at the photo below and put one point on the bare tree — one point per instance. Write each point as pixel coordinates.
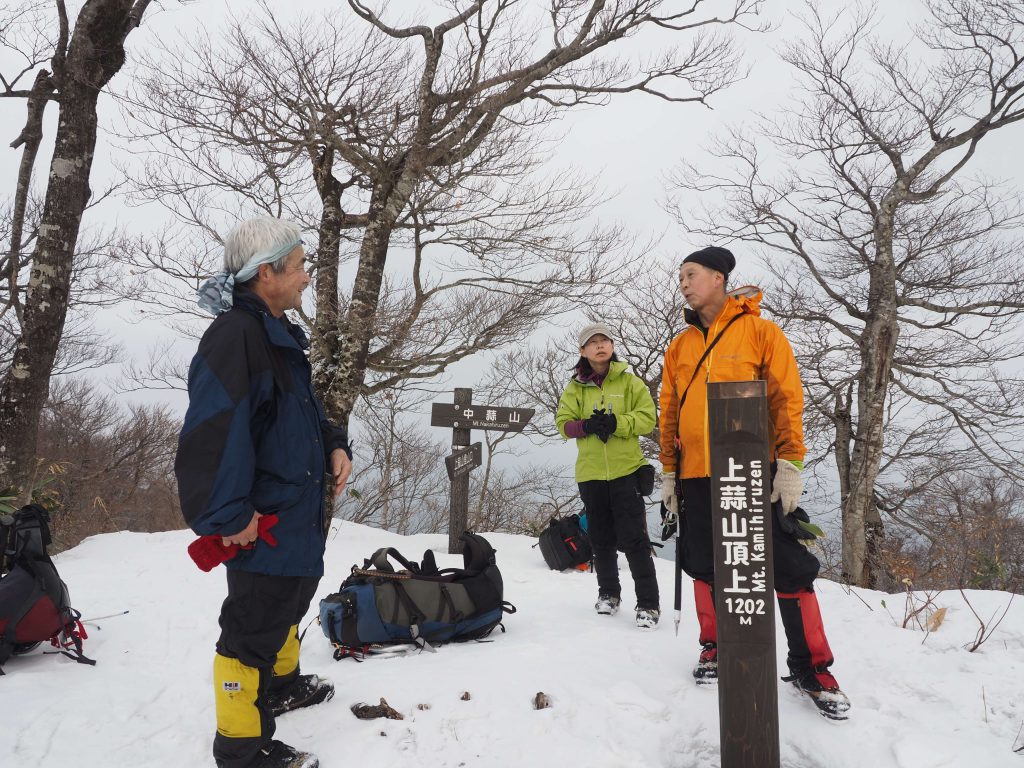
(96, 282)
(82, 60)
(520, 500)
(964, 531)
(645, 312)
(114, 464)
(493, 245)
(895, 275)
(427, 138)
(400, 484)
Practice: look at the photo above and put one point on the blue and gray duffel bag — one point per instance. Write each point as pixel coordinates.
(378, 606)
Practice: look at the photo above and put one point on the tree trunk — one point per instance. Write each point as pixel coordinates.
(31, 137)
(95, 54)
(877, 347)
(352, 351)
(325, 329)
(842, 418)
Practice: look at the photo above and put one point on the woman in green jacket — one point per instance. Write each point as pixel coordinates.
(605, 409)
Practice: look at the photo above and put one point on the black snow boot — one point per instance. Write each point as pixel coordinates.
(305, 691)
(607, 605)
(277, 754)
(706, 671)
(821, 687)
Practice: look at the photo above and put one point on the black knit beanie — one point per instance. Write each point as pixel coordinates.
(713, 257)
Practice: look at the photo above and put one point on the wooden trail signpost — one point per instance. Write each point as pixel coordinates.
(462, 416)
(744, 583)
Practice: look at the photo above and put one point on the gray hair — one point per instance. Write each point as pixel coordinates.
(259, 235)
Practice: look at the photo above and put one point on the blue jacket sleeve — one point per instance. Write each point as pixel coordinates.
(334, 438)
(216, 459)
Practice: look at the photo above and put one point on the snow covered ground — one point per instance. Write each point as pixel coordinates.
(620, 696)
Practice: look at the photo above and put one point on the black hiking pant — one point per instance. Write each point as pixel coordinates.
(258, 621)
(617, 521)
(795, 569)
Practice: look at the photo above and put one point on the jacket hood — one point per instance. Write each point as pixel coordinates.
(747, 298)
(744, 300)
(615, 368)
(249, 301)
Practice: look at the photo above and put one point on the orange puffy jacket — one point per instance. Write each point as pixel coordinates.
(752, 348)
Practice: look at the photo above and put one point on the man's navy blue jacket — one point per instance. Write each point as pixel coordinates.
(256, 438)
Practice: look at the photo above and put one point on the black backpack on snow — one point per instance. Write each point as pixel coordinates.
(419, 604)
(565, 544)
(34, 604)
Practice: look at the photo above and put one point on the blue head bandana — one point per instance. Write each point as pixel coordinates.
(216, 294)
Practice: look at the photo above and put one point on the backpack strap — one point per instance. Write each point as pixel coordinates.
(7, 543)
(69, 640)
(415, 617)
(32, 533)
(428, 565)
(446, 602)
(707, 351)
(379, 560)
(477, 553)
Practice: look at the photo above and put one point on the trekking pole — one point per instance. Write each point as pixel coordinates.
(678, 602)
(93, 619)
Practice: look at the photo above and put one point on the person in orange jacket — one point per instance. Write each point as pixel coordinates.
(748, 347)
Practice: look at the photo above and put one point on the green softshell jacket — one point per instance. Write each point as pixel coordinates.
(633, 407)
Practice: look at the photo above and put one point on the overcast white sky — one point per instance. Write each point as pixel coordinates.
(630, 144)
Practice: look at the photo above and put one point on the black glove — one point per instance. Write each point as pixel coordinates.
(608, 426)
(601, 424)
(669, 523)
(595, 424)
(797, 523)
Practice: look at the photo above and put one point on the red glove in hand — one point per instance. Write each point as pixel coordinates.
(210, 551)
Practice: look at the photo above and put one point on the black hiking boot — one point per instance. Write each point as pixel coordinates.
(647, 618)
(607, 605)
(277, 754)
(821, 687)
(306, 691)
(706, 671)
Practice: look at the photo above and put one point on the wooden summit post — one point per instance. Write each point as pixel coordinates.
(748, 704)
(458, 513)
(462, 416)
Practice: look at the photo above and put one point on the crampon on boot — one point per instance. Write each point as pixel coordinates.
(277, 754)
(821, 688)
(306, 691)
(607, 605)
(706, 671)
(647, 618)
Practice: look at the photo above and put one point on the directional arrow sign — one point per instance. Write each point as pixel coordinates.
(479, 417)
(463, 460)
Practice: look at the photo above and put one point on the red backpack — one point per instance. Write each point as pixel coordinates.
(34, 604)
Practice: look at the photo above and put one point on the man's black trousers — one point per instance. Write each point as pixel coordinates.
(795, 567)
(257, 652)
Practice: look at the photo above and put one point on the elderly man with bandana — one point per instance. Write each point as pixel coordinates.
(256, 443)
